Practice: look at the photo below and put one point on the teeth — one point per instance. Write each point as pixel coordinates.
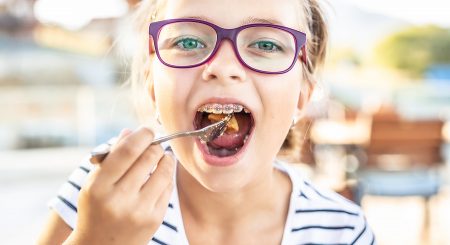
(245, 139)
(227, 109)
(209, 108)
(237, 108)
(217, 109)
(222, 109)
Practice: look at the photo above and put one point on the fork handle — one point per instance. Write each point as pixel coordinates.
(173, 136)
(99, 153)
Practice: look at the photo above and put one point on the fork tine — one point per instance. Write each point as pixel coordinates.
(219, 129)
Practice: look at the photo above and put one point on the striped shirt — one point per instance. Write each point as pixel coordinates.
(315, 216)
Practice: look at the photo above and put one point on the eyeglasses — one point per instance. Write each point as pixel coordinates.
(265, 48)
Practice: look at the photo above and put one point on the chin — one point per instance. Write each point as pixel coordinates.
(226, 179)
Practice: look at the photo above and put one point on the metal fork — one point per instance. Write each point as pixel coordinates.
(206, 134)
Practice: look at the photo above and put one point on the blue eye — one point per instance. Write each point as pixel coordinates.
(266, 46)
(189, 44)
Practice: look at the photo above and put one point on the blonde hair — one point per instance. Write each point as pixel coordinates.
(150, 10)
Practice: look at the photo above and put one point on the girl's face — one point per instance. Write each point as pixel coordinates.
(270, 99)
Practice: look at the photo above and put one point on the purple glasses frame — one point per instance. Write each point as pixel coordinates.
(230, 34)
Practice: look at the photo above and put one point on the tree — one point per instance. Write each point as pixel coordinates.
(415, 49)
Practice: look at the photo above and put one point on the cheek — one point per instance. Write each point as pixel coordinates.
(165, 84)
(172, 88)
(294, 89)
(280, 108)
(281, 96)
(165, 88)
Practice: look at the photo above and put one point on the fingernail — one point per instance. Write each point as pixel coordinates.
(124, 132)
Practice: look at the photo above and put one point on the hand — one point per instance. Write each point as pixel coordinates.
(120, 203)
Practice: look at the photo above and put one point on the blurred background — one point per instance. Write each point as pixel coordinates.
(377, 129)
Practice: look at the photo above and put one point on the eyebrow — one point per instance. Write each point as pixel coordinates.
(249, 20)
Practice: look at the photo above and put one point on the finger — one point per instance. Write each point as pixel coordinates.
(125, 153)
(158, 207)
(163, 202)
(161, 178)
(110, 145)
(139, 172)
(124, 133)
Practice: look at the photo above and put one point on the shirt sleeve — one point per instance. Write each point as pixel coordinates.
(66, 201)
(363, 234)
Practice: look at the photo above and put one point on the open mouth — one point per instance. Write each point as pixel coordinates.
(238, 129)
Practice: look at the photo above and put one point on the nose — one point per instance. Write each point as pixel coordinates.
(224, 65)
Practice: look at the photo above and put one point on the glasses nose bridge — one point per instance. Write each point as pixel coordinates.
(229, 34)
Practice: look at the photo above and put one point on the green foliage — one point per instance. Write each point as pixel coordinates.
(344, 54)
(415, 49)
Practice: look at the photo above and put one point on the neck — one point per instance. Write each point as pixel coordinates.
(268, 194)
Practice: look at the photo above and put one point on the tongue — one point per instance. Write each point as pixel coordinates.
(234, 139)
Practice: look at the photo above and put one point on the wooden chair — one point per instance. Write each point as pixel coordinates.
(402, 159)
(418, 142)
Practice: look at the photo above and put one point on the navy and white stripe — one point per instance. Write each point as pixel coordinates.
(323, 217)
(315, 216)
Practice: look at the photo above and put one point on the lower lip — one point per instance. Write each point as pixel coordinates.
(222, 161)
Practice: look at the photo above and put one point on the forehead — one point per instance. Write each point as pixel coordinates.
(234, 13)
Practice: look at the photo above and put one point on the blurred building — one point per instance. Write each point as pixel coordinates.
(58, 87)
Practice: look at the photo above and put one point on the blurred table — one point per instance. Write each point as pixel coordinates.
(330, 132)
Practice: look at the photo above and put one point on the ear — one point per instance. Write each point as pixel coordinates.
(303, 99)
(149, 82)
(149, 79)
(151, 89)
(304, 57)
(307, 86)
(305, 94)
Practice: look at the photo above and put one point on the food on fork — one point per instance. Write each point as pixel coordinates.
(232, 125)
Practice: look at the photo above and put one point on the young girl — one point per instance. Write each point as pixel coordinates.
(253, 59)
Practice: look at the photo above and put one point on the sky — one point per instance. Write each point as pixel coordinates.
(75, 14)
(413, 11)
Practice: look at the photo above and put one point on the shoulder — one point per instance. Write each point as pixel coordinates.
(65, 203)
(321, 216)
